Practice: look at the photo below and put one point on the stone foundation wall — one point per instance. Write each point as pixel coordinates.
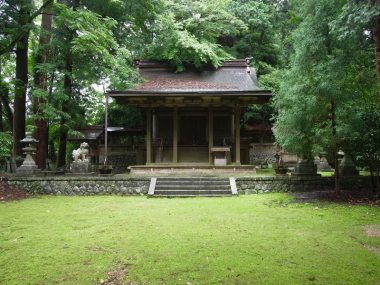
(120, 162)
(82, 185)
(299, 184)
(262, 154)
(92, 185)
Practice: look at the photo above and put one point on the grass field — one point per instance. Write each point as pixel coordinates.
(255, 239)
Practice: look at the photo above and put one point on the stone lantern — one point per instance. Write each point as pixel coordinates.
(347, 166)
(28, 166)
(279, 166)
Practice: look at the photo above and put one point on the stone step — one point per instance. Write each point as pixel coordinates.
(216, 179)
(192, 187)
(192, 196)
(185, 182)
(191, 192)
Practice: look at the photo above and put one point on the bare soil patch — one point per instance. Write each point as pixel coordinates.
(116, 276)
(8, 192)
(373, 249)
(372, 230)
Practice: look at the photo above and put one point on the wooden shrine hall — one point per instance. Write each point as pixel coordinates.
(194, 118)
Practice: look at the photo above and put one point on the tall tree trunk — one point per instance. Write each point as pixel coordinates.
(372, 173)
(61, 160)
(336, 149)
(40, 80)
(1, 118)
(67, 85)
(21, 82)
(20, 94)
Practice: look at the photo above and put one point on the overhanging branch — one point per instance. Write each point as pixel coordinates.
(9, 47)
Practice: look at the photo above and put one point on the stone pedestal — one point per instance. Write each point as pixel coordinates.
(80, 167)
(324, 165)
(28, 167)
(305, 168)
(347, 166)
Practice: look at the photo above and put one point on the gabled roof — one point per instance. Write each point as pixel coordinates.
(233, 75)
(233, 79)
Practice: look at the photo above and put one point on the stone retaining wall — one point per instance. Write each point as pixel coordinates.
(93, 185)
(262, 154)
(298, 184)
(82, 185)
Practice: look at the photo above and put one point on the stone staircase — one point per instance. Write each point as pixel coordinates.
(192, 187)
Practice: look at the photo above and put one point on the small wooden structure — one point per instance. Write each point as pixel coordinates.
(123, 143)
(190, 116)
(221, 155)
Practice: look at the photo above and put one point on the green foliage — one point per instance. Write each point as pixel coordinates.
(186, 32)
(6, 141)
(258, 113)
(365, 135)
(15, 21)
(330, 72)
(355, 17)
(95, 50)
(124, 116)
(272, 80)
(314, 55)
(259, 39)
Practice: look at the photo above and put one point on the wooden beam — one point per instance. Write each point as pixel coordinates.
(154, 127)
(148, 138)
(175, 135)
(237, 134)
(210, 133)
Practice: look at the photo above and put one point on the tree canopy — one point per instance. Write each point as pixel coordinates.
(317, 56)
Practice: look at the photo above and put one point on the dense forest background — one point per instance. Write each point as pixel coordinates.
(318, 57)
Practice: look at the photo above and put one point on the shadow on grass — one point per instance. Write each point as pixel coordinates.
(346, 196)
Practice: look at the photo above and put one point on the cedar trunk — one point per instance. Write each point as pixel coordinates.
(67, 85)
(1, 118)
(21, 82)
(40, 80)
(20, 94)
(336, 149)
(61, 160)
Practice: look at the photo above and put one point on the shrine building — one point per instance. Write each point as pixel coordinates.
(194, 118)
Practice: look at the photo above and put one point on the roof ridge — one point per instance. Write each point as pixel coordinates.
(146, 64)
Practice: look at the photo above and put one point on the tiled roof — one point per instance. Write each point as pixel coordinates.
(176, 84)
(234, 75)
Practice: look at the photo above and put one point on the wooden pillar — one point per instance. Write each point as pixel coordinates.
(175, 135)
(232, 127)
(210, 133)
(237, 134)
(148, 138)
(154, 126)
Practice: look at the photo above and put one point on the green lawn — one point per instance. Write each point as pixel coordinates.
(255, 239)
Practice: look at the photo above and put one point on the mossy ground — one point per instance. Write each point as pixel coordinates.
(253, 239)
